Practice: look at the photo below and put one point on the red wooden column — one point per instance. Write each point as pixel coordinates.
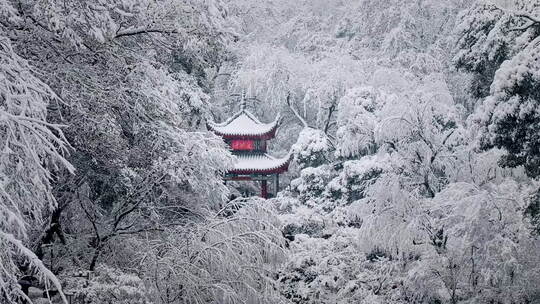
(264, 189)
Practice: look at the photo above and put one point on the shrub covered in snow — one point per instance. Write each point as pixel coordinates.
(312, 148)
(109, 285)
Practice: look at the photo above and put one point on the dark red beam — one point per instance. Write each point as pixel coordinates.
(265, 136)
(278, 170)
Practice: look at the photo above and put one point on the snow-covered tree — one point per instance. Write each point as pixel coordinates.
(500, 45)
(228, 258)
(33, 151)
(312, 148)
(477, 244)
(357, 122)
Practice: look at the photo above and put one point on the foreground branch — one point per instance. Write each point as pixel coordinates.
(144, 30)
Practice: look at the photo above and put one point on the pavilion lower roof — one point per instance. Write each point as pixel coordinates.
(260, 164)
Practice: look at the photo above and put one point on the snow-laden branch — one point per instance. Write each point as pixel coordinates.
(144, 30)
(34, 261)
(534, 19)
(291, 106)
(210, 256)
(32, 151)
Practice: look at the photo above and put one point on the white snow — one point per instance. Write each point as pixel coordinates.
(259, 162)
(243, 123)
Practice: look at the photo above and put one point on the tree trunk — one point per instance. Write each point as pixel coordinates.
(48, 235)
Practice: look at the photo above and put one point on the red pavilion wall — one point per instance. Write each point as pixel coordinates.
(243, 145)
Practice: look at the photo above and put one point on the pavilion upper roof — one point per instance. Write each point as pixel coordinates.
(244, 125)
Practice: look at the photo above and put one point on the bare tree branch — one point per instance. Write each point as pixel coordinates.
(291, 106)
(143, 30)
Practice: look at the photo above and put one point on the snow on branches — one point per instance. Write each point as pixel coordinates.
(501, 46)
(312, 148)
(32, 151)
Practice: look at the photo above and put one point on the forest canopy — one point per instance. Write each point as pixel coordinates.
(413, 128)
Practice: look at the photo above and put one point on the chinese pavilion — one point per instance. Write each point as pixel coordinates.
(247, 136)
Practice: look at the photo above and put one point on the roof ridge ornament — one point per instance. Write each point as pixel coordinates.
(243, 102)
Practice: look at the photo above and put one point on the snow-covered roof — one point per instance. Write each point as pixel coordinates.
(244, 124)
(260, 163)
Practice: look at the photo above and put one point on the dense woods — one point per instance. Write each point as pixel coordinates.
(413, 125)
